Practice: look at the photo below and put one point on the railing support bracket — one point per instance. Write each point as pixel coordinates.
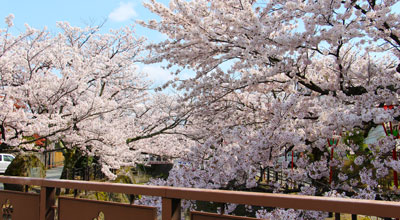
(171, 209)
(47, 203)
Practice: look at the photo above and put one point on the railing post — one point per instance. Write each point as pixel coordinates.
(171, 209)
(47, 201)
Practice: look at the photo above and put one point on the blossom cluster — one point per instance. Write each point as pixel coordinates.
(272, 77)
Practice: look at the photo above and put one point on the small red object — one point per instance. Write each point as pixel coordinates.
(386, 107)
(39, 142)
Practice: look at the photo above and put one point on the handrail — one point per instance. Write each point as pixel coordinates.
(329, 204)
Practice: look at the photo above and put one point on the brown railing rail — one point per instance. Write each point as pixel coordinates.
(171, 198)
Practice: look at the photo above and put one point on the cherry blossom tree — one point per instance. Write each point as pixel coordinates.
(81, 90)
(271, 77)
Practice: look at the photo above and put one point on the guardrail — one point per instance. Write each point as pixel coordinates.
(22, 205)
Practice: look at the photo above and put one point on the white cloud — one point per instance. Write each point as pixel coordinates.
(157, 74)
(124, 12)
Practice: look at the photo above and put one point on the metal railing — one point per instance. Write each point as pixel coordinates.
(43, 205)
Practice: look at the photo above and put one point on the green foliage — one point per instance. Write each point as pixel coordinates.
(76, 160)
(116, 197)
(356, 137)
(123, 179)
(102, 196)
(27, 165)
(352, 170)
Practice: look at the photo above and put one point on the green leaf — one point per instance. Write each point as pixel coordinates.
(395, 133)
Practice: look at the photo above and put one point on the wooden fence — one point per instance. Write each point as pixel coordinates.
(23, 205)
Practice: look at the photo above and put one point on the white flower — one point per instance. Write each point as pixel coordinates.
(342, 176)
(9, 20)
(359, 160)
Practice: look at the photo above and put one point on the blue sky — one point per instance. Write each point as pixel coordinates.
(45, 13)
(40, 13)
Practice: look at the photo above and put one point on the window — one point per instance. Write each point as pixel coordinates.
(1, 157)
(8, 158)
